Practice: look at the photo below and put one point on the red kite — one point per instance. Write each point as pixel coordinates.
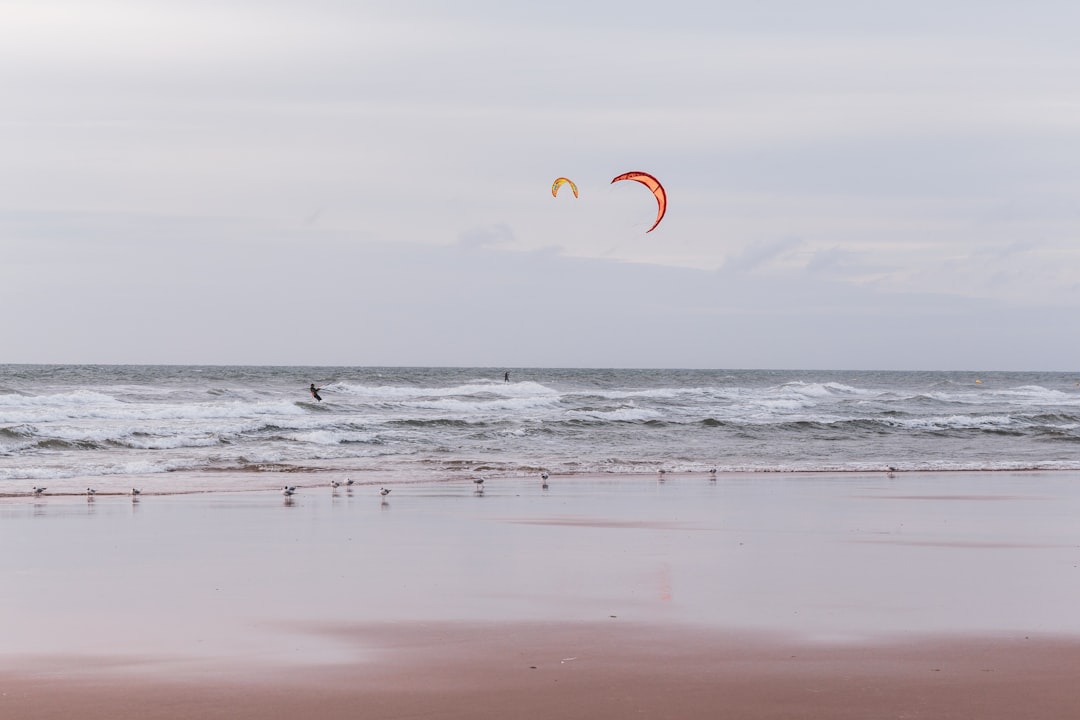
(653, 184)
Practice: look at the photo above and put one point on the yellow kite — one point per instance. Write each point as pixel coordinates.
(559, 182)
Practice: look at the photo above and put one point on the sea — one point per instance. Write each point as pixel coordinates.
(178, 428)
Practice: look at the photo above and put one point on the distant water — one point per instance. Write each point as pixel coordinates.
(65, 422)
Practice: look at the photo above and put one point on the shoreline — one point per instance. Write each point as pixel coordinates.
(145, 482)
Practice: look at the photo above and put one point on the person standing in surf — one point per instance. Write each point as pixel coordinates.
(315, 392)
(506, 376)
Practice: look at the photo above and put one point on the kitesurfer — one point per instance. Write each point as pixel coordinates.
(315, 392)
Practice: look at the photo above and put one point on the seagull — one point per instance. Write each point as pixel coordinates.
(39, 490)
(479, 482)
(335, 484)
(543, 480)
(384, 491)
(135, 491)
(661, 472)
(349, 482)
(287, 491)
(90, 492)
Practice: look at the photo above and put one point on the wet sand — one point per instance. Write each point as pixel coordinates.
(818, 596)
(592, 671)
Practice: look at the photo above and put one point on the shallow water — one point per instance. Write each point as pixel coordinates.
(254, 577)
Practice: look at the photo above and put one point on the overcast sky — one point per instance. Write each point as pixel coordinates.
(852, 185)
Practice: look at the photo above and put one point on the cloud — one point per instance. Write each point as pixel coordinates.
(761, 254)
(488, 236)
(218, 291)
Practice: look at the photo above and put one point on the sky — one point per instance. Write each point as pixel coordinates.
(851, 185)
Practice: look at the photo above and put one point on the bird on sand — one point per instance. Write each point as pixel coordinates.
(384, 491)
(543, 480)
(135, 491)
(288, 490)
(91, 492)
(38, 490)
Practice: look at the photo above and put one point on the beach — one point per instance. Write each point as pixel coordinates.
(752, 595)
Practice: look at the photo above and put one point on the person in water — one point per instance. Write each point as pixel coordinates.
(315, 392)
(506, 376)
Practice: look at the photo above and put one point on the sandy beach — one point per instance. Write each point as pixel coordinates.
(752, 596)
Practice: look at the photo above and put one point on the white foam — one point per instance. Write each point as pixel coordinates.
(400, 393)
(109, 409)
(617, 415)
(458, 408)
(328, 437)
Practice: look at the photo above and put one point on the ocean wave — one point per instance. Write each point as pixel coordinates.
(433, 423)
(16, 432)
(621, 415)
(1018, 424)
(377, 393)
(46, 472)
(824, 390)
(1036, 394)
(1020, 396)
(480, 406)
(651, 393)
(173, 442)
(110, 409)
(59, 444)
(75, 398)
(329, 437)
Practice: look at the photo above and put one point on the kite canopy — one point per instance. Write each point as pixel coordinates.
(657, 189)
(559, 182)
